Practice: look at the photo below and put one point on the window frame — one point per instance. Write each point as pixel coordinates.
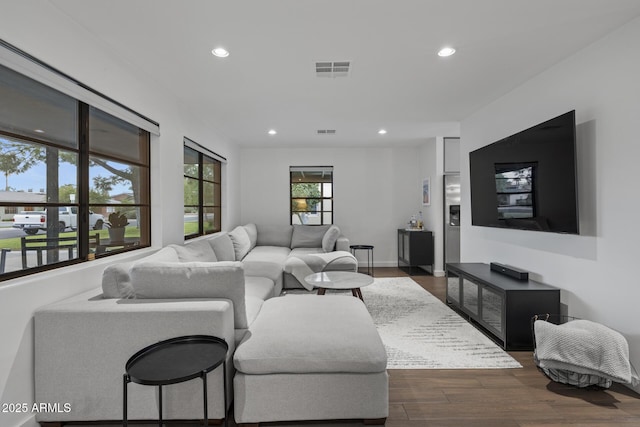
(216, 181)
(322, 198)
(82, 203)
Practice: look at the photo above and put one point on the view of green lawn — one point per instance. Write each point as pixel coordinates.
(13, 243)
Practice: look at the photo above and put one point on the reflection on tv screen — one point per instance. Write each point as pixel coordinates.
(514, 190)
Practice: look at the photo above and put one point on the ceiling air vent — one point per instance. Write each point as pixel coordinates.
(333, 68)
(326, 131)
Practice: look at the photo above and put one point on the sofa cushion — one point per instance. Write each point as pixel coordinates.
(306, 251)
(222, 246)
(266, 261)
(171, 280)
(311, 334)
(274, 235)
(330, 238)
(116, 278)
(241, 242)
(254, 305)
(198, 251)
(308, 236)
(116, 281)
(259, 287)
(252, 232)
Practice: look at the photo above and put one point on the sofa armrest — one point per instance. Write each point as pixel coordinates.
(342, 244)
(82, 346)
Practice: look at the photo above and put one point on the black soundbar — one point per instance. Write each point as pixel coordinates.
(507, 270)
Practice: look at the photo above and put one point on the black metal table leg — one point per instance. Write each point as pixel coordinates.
(224, 390)
(125, 383)
(204, 398)
(160, 406)
(191, 356)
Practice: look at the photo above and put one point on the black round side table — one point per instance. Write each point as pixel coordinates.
(176, 360)
(369, 249)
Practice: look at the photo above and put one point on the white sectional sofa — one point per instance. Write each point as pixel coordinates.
(216, 285)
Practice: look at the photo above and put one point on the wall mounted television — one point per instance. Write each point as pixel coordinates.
(527, 180)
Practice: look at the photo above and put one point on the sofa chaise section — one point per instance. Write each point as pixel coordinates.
(311, 358)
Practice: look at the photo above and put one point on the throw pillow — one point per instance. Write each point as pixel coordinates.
(308, 236)
(200, 251)
(241, 242)
(222, 246)
(330, 238)
(116, 281)
(252, 231)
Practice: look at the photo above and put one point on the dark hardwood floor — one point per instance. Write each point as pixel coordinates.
(492, 397)
(499, 397)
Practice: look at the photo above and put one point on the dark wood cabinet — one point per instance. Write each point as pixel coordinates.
(501, 305)
(415, 249)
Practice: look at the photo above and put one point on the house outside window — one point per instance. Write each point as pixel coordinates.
(311, 195)
(202, 192)
(63, 163)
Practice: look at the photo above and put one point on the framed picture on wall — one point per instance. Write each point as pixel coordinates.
(426, 192)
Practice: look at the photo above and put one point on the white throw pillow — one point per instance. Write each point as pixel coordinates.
(330, 238)
(222, 246)
(241, 242)
(252, 231)
(200, 251)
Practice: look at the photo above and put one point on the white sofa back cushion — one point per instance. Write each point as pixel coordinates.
(308, 236)
(116, 278)
(241, 242)
(176, 280)
(274, 235)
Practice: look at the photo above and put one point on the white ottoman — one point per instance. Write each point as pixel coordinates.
(307, 357)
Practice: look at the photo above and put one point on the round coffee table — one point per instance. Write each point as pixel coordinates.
(339, 280)
(176, 360)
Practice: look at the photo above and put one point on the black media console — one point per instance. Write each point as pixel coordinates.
(501, 305)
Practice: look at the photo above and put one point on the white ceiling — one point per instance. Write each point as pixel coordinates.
(397, 81)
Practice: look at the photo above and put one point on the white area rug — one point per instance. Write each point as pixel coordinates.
(420, 332)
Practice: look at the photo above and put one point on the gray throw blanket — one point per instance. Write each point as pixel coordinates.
(584, 347)
(300, 266)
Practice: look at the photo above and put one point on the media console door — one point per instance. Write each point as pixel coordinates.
(502, 306)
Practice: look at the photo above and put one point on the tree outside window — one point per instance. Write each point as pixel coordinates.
(311, 190)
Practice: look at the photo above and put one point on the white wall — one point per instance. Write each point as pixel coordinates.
(42, 31)
(376, 190)
(431, 165)
(594, 270)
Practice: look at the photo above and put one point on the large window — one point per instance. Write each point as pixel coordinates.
(66, 167)
(202, 193)
(311, 194)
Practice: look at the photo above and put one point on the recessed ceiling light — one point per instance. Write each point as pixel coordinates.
(38, 130)
(272, 132)
(382, 131)
(446, 51)
(220, 52)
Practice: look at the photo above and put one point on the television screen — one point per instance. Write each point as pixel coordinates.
(528, 180)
